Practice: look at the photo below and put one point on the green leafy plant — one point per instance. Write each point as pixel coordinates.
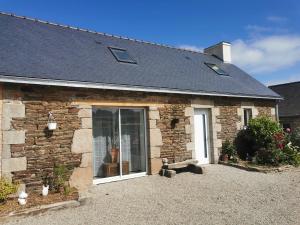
(7, 188)
(292, 154)
(262, 130)
(67, 190)
(295, 137)
(228, 149)
(59, 177)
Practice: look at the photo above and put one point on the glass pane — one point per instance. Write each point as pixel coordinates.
(106, 142)
(122, 55)
(133, 141)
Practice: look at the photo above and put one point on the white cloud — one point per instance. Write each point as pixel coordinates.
(266, 54)
(256, 31)
(277, 19)
(191, 48)
(286, 79)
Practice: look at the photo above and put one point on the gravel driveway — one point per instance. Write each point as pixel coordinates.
(224, 195)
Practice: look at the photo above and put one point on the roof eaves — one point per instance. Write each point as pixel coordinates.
(64, 83)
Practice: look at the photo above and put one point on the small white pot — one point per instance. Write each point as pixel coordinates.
(23, 194)
(22, 201)
(45, 190)
(52, 125)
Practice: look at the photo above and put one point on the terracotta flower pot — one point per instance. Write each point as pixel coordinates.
(224, 158)
(114, 155)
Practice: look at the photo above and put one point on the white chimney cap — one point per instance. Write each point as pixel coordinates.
(221, 50)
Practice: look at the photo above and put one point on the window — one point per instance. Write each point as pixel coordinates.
(122, 55)
(217, 69)
(247, 116)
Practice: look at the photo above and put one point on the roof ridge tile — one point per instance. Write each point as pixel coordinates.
(100, 33)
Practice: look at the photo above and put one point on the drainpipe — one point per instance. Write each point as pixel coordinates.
(276, 112)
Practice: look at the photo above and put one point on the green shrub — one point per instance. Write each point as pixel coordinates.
(6, 188)
(228, 149)
(60, 173)
(258, 135)
(244, 143)
(262, 130)
(292, 155)
(270, 157)
(295, 137)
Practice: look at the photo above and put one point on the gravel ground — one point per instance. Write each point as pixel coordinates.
(224, 195)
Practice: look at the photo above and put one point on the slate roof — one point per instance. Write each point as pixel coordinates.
(290, 106)
(40, 50)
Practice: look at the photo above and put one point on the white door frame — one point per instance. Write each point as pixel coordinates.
(97, 180)
(202, 135)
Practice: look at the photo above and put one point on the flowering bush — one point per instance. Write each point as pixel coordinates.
(258, 135)
(282, 151)
(295, 137)
(269, 143)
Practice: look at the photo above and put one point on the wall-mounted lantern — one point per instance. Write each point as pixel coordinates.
(51, 122)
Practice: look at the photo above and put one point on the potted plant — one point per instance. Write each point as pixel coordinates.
(114, 155)
(114, 152)
(51, 122)
(22, 198)
(228, 151)
(46, 184)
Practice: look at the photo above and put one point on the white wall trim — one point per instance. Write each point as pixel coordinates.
(63, 83)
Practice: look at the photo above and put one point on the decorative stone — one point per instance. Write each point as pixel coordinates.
(188, 129)
(82, 141)
(189, 111)
(6, 122)
(85, 113)
(14, 137)
(85, 107)
(86, 160)
(86, 123)
(14, 110)
(81, 178)
(6, 153)
(155, 165)
(153, 108)
(14, 164)
(155, 137)
(152, 124)
(154, 115)
(154, 152)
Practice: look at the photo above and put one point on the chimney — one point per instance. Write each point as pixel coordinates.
(221, 50)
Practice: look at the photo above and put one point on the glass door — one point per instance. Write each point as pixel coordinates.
(119, 133)
(133, 141)
(106, 142)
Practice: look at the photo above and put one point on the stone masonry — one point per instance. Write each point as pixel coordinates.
(29, 150)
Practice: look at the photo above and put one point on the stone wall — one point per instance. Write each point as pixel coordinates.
(228, 117)
(29, 150)
(293, 121)
(172, 124)
(42, 149)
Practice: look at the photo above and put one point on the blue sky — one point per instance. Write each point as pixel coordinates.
(265, 34)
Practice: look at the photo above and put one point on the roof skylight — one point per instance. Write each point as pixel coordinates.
(217, 69)
(122, 55)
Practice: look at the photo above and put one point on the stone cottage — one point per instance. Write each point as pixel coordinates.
(119, 105)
